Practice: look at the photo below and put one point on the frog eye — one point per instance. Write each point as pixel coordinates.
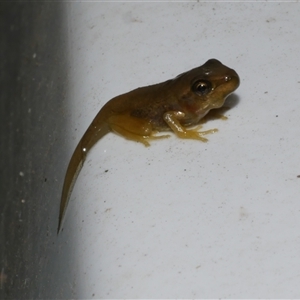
(201, 87)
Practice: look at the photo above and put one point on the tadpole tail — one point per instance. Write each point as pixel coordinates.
(95, 132)
(75, 165)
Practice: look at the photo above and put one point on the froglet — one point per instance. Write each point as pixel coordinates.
(138, 115)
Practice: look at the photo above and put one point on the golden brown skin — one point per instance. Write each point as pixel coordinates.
(174, 104)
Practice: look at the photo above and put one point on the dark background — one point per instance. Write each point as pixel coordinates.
(34, 88)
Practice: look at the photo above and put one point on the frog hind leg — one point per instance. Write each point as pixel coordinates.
(172, 118)
(134, 129)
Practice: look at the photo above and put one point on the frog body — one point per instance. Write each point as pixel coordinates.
(173, 105)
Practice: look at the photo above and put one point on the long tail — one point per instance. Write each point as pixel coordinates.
(75, 165)
(91, 136)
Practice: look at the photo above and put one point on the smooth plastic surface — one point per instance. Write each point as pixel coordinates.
(183, 218)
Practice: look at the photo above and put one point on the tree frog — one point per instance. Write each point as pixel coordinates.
(176, 105)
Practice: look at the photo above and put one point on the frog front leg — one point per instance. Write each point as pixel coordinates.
(134, 129)
(172, 118)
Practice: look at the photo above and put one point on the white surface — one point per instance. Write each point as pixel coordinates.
(184, 218)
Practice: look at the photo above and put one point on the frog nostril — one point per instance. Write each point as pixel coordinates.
(227, 78)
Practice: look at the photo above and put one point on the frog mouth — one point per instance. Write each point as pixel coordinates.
(202, 112)
(217, 104)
